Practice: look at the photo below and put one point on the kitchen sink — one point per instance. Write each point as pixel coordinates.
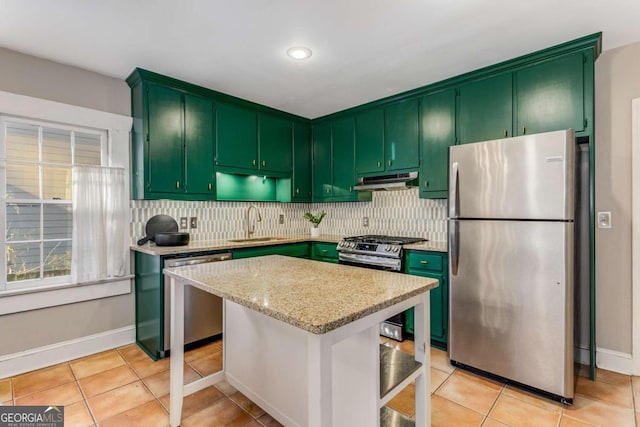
(258, 239)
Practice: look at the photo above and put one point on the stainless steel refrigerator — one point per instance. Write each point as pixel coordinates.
(511, 259)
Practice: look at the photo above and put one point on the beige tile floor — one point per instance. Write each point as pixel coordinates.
(124, 387)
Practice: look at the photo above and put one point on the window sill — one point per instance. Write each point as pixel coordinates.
(16, 301)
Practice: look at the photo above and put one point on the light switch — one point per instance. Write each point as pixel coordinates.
(183, 222)
(281, 219)
(365, 221)
(604, 219)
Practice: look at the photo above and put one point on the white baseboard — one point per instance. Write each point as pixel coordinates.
(41, 357)
(615, 361)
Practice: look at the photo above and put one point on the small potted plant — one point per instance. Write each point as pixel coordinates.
(315, 220)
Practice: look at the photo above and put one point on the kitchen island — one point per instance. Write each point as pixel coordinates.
(301, 339)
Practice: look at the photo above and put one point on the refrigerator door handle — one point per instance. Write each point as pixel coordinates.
(454, 246)
(453, 191)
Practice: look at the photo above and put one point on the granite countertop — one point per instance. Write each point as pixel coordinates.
(315, 296)
(220, 245)
(215, 245)
(428, 246)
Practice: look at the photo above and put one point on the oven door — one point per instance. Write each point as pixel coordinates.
(370, 261)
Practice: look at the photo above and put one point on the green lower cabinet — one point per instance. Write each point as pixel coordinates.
(326, 252)
(149, 290)
(298, 250)
(432, 265)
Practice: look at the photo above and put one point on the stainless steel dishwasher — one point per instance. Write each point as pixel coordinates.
(203, 311)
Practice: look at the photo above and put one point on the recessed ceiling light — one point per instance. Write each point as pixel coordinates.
(299, 52)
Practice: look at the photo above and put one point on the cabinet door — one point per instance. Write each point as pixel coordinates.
(344, 176)
(550, 96)
(165, 159)
(198, 143)
(438, 303)
(275, 144)
(301, 190)
(322, 166)
(370, 141)
(485, 109)
(401, 142)
(438, 133)
(237, 137)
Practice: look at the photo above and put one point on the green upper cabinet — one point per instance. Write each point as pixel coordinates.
(344, 176)
(485, 109)
(198, 152)
(322, 163)
(164, 140)
(275, 139)
(550, 95)
(301, 187)
(334, 173)
(370, 142)
(401, 140)
(237, 137)
(438, 133)
(178, 148)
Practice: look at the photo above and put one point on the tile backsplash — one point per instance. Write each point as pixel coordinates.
(400, 213)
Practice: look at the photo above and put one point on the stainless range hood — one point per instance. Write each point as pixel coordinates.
(398, 181)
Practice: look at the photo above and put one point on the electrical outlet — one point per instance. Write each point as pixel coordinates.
(281, 219)
(184, 222)
(194, 222)
(604, 219)
(365, 221)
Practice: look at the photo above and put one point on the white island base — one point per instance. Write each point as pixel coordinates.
(335, 374)
(305, 379)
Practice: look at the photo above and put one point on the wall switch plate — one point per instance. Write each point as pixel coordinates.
(604, 219)
(194, 222)
(184, 222)
(281, 219)
(365, 221)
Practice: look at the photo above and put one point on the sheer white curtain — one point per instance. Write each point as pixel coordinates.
(100, 243)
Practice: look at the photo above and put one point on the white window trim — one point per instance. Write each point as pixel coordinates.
(118, 128)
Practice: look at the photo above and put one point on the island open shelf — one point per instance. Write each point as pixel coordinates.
(301, 339)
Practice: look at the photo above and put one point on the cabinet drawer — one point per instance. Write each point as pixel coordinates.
(424, 261)
(325, 250)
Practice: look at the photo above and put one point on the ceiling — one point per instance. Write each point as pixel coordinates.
(362, 49)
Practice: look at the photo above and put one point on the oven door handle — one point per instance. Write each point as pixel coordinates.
(370, 261)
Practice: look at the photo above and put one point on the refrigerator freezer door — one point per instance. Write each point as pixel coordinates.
(511, 301)
(528, 177)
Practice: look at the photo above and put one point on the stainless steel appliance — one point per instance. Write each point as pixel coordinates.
(511, 259)
(382, 253)
(203, 311)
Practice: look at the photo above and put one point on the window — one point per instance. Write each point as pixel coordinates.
(36, 197)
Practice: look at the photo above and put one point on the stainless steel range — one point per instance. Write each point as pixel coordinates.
(381, 253)
(373, 251)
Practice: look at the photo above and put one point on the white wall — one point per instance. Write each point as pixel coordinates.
(617, 83)
(40, 78)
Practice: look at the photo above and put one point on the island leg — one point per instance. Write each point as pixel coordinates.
(422, 341)
(319, 355)
(176, 388)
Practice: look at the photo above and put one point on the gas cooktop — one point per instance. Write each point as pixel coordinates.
(384, 240)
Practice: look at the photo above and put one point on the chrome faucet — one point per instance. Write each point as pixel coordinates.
(250, 228)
